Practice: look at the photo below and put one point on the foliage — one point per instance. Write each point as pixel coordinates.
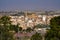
(4, 28)
(55, 23)
(28, 29)
(54, 32)
(40, 26)
(36, 36)
(20, 28)
(15, 28)
(5, 20)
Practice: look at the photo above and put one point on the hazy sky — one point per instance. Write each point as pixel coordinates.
(29, 4)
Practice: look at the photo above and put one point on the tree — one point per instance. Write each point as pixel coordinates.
(15, 28)
(40, 26)
(54, 32)
(4, 28)
(5, 20)
(20, 28)
(55, 23)
(36, 36)
(28, 29)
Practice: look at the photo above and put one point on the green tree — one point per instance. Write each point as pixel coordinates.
(4, 28)
(5, 20)
(36, 36)
(15, 28)
(40, 26)
(28, 29)
(20, 28)
(55, 23)
(54, 32)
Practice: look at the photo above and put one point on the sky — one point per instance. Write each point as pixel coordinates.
(29, 5)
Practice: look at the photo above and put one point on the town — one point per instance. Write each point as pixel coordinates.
(30, 19)
(24, 24)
